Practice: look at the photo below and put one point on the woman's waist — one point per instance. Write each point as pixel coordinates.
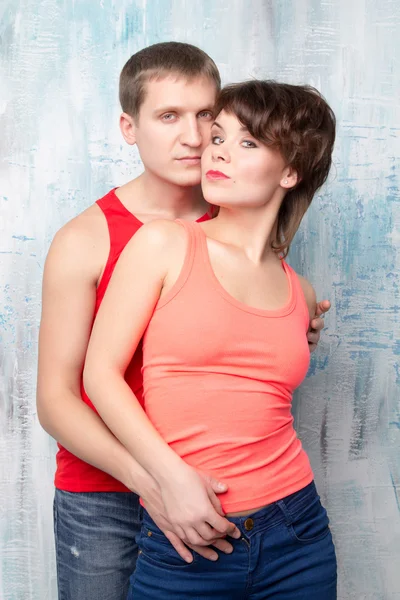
(255, 474)
(242, 428)
(248, 410)
(178, 383)
(255, 490)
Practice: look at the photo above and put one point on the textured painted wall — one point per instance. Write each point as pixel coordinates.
(61, 149)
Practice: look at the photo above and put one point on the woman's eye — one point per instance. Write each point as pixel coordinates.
(248, 144)
(168, 117)
(216, 139)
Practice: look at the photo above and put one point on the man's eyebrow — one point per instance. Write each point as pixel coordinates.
(169, 108)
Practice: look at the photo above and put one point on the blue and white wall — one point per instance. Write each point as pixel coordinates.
(60, 149)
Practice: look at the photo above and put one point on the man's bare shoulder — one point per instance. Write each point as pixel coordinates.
(83, 241)
(88, 227)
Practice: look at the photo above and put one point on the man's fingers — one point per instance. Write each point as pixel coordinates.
(205, 552)
(193, 538)
(224, 526)
(317, 326)
(223, 545)
(322, 307)
(208, 533)
(179, 546)
(313, 337)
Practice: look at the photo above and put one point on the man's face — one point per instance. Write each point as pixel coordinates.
(173, 127)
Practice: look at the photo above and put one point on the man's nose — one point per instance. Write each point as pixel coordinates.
(191, 135)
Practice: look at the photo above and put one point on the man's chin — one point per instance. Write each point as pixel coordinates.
(185, 181)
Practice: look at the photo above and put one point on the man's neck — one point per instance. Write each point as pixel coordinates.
(151, 198)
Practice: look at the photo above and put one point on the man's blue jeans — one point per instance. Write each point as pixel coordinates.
(286, 552)
(96, 549)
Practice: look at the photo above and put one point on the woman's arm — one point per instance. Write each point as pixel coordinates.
(310, 297)
(126, 310)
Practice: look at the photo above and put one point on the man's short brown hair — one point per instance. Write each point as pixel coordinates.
(161, 59)
(297, 121)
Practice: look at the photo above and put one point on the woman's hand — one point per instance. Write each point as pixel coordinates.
(155, 507)
(193, 509)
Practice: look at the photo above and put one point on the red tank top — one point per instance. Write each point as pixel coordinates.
(72, 473)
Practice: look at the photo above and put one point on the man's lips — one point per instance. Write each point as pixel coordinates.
(216, 175)
(191, 160)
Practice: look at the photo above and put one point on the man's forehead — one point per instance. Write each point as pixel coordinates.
(179, 90)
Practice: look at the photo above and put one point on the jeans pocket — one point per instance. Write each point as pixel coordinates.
(157, 549)
(311, 525)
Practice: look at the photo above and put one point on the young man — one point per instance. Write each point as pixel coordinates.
(167, 92)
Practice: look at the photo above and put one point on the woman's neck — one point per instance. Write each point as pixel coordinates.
(252, 229)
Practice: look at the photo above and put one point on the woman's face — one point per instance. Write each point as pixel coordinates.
(238, 170)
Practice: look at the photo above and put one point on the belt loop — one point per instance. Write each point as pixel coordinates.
(281, 504)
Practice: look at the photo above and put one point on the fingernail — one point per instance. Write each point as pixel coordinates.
(221, 486)
(189, 558)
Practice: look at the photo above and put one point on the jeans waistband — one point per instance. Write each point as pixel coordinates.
(288, 510)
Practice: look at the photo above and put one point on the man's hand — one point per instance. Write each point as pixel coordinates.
(155, 508)
(317, 324)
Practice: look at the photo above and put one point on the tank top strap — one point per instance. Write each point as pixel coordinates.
(192, 251)
(193, 229)
(121, 223)
(198, 243)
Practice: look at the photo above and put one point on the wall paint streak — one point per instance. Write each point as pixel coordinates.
(61, 149)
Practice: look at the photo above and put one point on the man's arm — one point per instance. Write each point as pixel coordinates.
(71, 273)
(69, 294)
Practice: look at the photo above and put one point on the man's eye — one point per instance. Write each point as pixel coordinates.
(168, 117)
(206, 114)
(216, 139)
(248, 144)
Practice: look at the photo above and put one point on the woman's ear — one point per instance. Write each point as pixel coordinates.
(290, 178)
(128, 128)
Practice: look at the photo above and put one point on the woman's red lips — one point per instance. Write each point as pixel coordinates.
(216, 175)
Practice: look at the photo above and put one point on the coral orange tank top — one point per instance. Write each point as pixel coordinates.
(218, 379)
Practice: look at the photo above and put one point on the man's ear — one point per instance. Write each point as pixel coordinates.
(128, 128)
(290, 178)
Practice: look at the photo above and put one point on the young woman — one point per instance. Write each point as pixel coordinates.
(224, 322)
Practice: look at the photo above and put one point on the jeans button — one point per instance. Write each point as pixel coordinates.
(248, 524)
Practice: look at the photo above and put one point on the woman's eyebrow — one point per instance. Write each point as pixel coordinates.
(216, 124)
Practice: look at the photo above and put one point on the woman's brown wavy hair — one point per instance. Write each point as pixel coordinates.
(296, 121)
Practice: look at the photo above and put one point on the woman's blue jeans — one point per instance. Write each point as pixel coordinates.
(286, 552)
